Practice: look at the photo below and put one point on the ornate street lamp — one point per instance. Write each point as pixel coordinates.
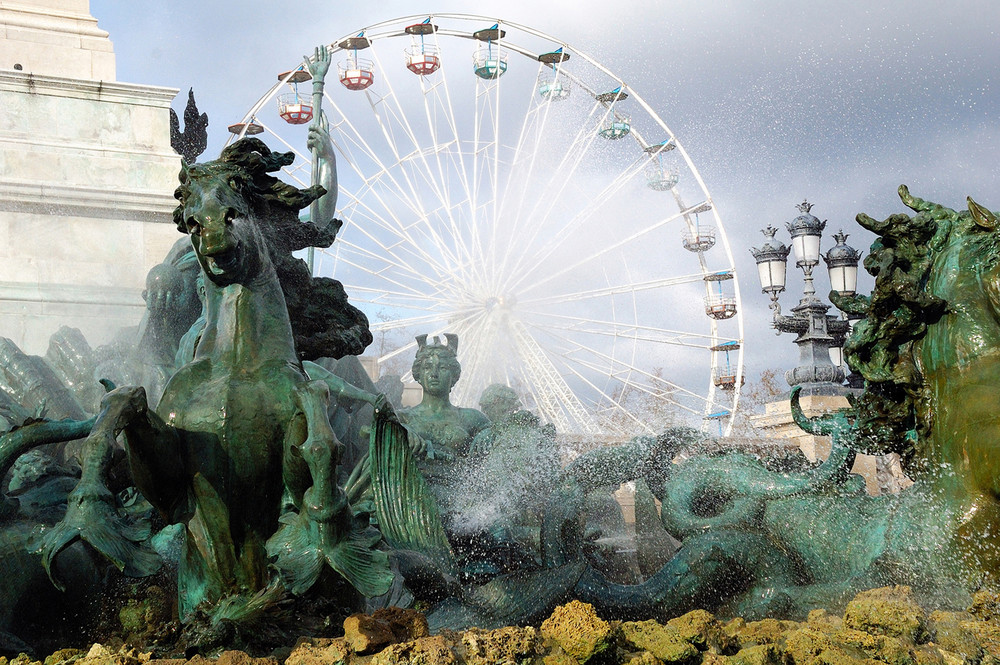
(820, 336)
(842, 264)
(806, 231)
(772, 261)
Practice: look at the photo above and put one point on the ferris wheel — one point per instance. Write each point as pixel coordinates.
(499, 184)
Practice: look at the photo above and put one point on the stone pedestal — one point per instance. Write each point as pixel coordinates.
(86, 177)
(57, 37)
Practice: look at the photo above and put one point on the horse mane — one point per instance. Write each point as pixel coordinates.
(883, 347)
(324, 323)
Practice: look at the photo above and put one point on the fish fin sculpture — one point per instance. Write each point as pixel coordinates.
(407, 512)
(93, 517)
(325, 529)
(302, 546)
(91, 512)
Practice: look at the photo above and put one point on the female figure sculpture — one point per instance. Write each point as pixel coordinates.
(445, 431)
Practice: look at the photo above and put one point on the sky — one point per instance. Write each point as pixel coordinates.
(776, 101)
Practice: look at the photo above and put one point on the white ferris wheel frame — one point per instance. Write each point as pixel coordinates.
(546, 373)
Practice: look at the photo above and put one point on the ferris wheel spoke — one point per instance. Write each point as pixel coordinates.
(611, 291)
(393, 252)
(558, 181)
(443, 97)
(486, 154)
(534, 128)
(476, 340)
(396, 111)
(610, 400)
(559, 402)
(408, 239)
(495, 180)
(586, 380)
(383, 299)
(578, 352)
(387, 277)
(592, 257)
(407, 322)
(386, 284)
(616, 329)
(386, 173)
(562, 174)
(567, 230)
(434, 184)
(666, 394)
(392, 225)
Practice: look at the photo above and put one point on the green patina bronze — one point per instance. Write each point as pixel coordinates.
(240, 449)
(240, 430)
(445, 431)
(938, 290)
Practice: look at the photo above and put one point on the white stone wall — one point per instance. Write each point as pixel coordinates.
(86, 177)
(57, 37)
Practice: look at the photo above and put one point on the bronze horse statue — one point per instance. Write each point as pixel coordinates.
(239, 448)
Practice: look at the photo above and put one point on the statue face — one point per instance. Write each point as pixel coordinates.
(437, 375)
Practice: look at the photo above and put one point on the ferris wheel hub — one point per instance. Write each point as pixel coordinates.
(500, 302)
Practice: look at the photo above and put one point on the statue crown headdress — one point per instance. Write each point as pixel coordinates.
(451, 344)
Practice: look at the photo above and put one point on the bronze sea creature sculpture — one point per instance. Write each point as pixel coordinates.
(239, 448)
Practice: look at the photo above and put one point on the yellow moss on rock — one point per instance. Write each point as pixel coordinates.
(807, 646)
(663, 642)
(22, 659)
(883, 648)
(766, 631)
(985, 605)
(820, 619)
(432, 650)
(888, 611)
(558, 658)
(319, 651)
(62, 656)
(929, 655)
(703, 630)
(577, 629)
(709, 658)
(759, 654)
(947, 632)
(487, 647)
(644, 658)
(988, 636)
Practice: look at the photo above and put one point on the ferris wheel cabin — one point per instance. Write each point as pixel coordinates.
(698, 238)
(724, 376)
(251, 128)
(661, 177)
(489, 62)
(356, 73)
(720, 305)
(552, 86)
(616, 126)
(422, 58)
(292, 107)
